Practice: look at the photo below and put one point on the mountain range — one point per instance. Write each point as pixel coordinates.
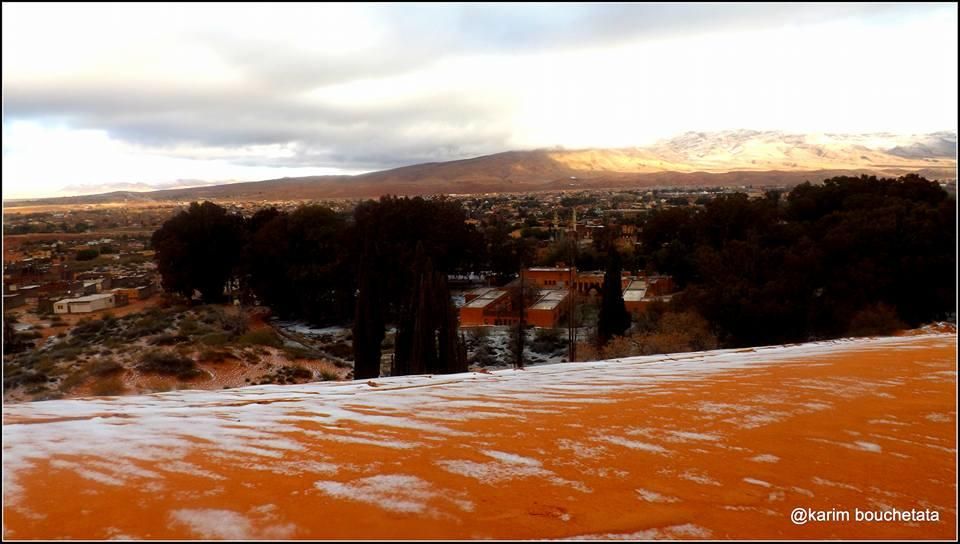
(741, 157)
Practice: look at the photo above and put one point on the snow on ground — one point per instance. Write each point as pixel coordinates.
(718, 444)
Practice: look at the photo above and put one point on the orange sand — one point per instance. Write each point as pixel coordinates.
(727, 454)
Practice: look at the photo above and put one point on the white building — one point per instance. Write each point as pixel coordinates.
(87, 304)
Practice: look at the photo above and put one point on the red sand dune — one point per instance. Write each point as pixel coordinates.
(706, 445)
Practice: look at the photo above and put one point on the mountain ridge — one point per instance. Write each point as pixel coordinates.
(740, 157)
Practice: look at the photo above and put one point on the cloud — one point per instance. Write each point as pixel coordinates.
(358, 88)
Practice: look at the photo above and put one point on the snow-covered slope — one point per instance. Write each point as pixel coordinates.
(751, 150)
(717, 444)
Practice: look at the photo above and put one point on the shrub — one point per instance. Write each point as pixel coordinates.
(170, 364)
(299, 372)
(329, 375)
(189, 327)
(146, 326)
(87, 328)
(298, 352)
(87, 254)
(263, 337)
(290, 374)
(167, 340)
(108, 387)
(484, 355)
(24, 378)
(71, 381)
(215, 339)
(104, 367)
(547, 341)
(66, 352)
(342, 350)
(214, 356)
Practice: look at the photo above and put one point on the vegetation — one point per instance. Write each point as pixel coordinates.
(614, 320)
(297, 264)
(848, 256)
(87, 254)
(401, 267)
(427, 338)
(169, 363)
(199, 249)
(777, 270)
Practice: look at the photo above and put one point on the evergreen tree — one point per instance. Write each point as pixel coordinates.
(368, 327)
(427, 339)
(199, 249)
(614, 320)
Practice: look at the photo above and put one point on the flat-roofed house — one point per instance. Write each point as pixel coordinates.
(483, 306)
(549, 309)
(85, 304)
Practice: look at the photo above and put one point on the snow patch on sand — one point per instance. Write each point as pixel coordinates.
(653, 496)
(211, 523)
(765, 458)
(393, 492)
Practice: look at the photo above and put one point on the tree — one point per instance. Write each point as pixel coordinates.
(87, 254)
(427, 339)
(521, 293)
(407, 273)
(827, 260)
(614, 320)
(199, 249)
(297, 264)
(368, 326)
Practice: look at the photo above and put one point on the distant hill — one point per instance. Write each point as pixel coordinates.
(741, 157)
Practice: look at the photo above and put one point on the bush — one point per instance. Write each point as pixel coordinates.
(876, 320)
(170, 364)
(329, 375)
(108, 387)
(87, 254)
(214, 356)
(87, 328)
(547, 341)
(189, 327)
(146, 326)
(105, 367)
(484, 355)
(73, 380)
(67, 353)
(342, 350)
(167, 340)
(289, 374)
(24, 378)
(297, 352)
(263, 337)
(215, 339)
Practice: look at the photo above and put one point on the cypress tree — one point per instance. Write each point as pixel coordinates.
(614, 320)
(427, 339)
(368, 326)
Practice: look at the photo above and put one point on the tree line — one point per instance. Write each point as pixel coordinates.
(385, 263)
(850, 256)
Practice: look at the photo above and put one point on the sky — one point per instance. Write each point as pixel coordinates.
(100, 97)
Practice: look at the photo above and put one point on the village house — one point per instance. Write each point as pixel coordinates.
(89, 303)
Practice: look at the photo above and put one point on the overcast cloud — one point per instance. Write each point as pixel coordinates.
(140, 96)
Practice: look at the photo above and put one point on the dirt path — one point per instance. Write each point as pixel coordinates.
(719, 445)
